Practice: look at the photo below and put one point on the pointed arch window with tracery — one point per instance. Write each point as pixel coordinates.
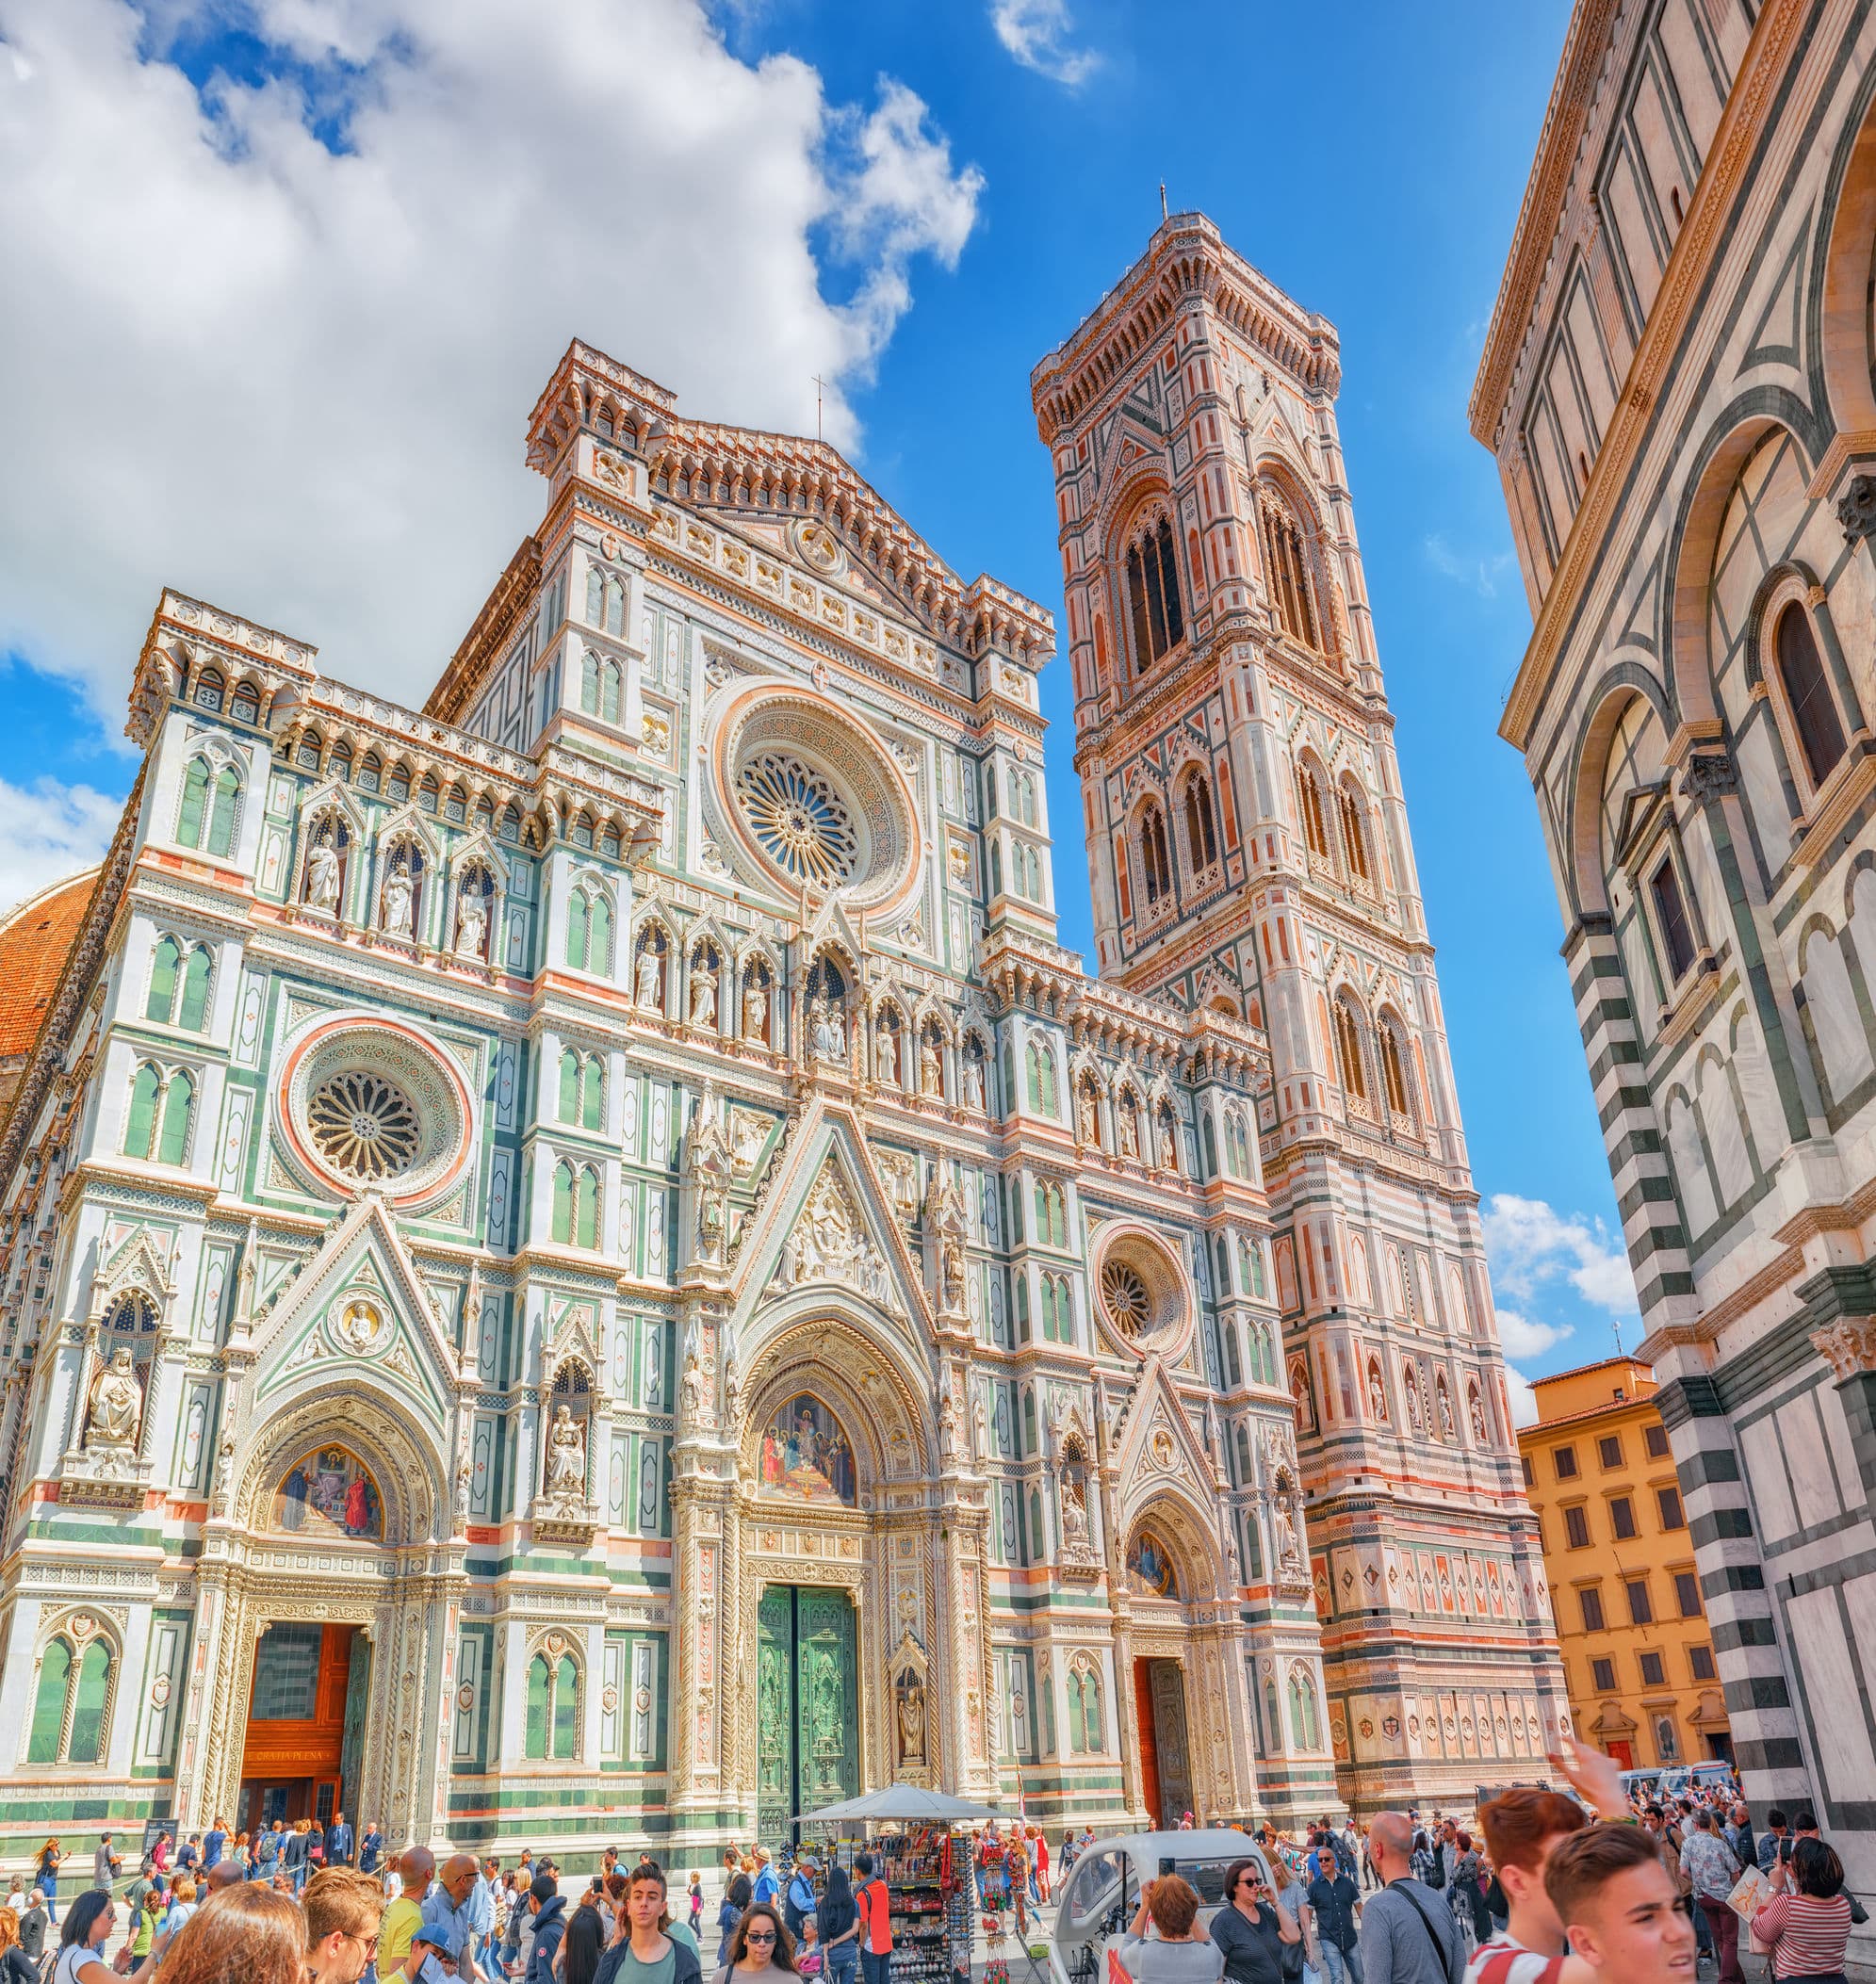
(1290, 589)
(1153, 605)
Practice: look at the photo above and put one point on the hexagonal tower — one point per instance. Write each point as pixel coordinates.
(1248, 850)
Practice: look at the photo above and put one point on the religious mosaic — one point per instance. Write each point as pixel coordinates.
(330, 1493)
(806, 1452)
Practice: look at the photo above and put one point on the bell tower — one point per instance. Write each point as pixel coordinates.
(1248, 852)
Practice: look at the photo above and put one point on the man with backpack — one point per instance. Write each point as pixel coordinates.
(875, 1902)
(799, 1898)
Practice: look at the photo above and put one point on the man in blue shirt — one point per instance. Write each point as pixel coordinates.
(767, 1886)
(339, 1842)
(212, 1845)
(369, 1847)
(448, 1906)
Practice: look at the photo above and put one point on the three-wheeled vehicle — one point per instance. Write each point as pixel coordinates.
(1104, 1890)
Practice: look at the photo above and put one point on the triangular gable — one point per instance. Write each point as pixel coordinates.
(1157, 1442)
(357, 1306)
(140, 1262)
(828, 1221)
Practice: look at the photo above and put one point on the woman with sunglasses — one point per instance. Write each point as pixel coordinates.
(81, 1944)
(1251, 1928)
(761, 1951)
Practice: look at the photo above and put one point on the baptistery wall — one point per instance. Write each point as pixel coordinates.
(580, 1265)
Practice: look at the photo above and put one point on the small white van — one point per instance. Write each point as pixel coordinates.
(1102, 1890)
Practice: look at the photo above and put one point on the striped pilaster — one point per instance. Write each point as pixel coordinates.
(1652, 1227)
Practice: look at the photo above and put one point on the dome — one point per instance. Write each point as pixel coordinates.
(36, 940)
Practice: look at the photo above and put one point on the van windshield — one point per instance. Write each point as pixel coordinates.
(1102, 1894)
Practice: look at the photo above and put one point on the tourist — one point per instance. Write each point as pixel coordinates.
(252, 1934)
(266, 1854)
(761, 1951)
(1178, 1951)
(370, 1846)
(46, 1875)
(293, 1854)
(414, 1869)
(1466, 1895)
(1738, 1830)
(215, 1845)
(1251, 1929)
(586, 1937)
(1806, 1923)
(161, 1853)
(736, 1898)
(546, 1905)
(35, 1919)
(342, 1906)
(798, 1898)
(696, 1886)
(1407, 1933)
(1619, 1907)
(1522, 1828)
(1293, 1897)
(485, 1912)
(146, 1917)
(767, 1885)
(452, 1902)
(16, 1967)
(182, 1903)
(875, 1903)
(431, 1957)
(105, 1863)
(188, 1856)
(836, 1923)
(339, 1842)
(1712, 1872)
(81, 1948)
(1336, 1904)
(643, 1950)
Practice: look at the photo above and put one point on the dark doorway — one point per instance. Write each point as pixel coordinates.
(1165, 1769)
(294, 1763)
(807, 1751)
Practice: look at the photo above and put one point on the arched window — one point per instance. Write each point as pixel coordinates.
(1290, 589)
(1814, 709)
(194, 1014)
(1309, 805)
(609, 693)
(1155, 856)
(586, 1207)
(553, 1709)
(222, 809)
(208, 684)
(582, 1089)
(209, 801)
(1394, 1070)
(1351, 816)
(615, 605)
(72, 1703)
(589, 932)
(1348, 1053)
(1152, 595)
(561, 1227)
(1201, 834)
(1042, 1090)
(1233, 1363)
(589, 670)
(1305, 1726)
(595, 596)
(140, 1123)
(173, 1145)
(164, 967)
(1087, 1732)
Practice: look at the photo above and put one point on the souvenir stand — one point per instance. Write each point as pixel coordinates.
(926, 1865)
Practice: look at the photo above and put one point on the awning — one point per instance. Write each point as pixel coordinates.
(900, 1801)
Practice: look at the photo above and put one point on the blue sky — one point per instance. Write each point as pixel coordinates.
(360, 231)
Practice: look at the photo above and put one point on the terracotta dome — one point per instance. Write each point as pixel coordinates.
(36, 939)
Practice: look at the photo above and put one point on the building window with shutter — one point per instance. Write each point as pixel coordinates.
(1621, 1518)
(1687, 1594)
(1577, 1527)
(1700, 1660)
(1640, 1609)
(1652, 1674)
(1602, 1675)
(1591, 1600)
(1671, 1516)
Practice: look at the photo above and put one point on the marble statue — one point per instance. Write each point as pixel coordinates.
(886, 1052)
(754, 1010)
(399, 901)
(566, 1456)
(471, 918)
(931, 1069)
(649, 986)
(974, 1082)
(116, 1404)
(703, 997)
(322, 877)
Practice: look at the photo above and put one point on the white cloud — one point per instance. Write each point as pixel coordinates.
(1037, 32)
(1524, 1400)
(1530, 1243)
(1481, 574)
(1520, 1336)
(48, 831)
(293, 379)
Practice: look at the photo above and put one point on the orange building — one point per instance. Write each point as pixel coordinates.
(1638, 1651)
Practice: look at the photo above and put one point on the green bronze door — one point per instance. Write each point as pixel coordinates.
(808, 1705)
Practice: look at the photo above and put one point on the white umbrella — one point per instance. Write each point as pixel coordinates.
(900, 1801)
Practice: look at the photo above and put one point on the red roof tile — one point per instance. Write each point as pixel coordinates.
(36, 939)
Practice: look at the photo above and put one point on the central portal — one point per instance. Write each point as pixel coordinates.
(305, 1723)
(1159, 1699)
(807, 1704)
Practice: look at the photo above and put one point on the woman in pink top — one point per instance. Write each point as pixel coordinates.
(1806, 1930)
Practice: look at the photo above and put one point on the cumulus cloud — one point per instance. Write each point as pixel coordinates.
(1037, 33)
(48, 830)
(1524, 1400)
(1530, 1243)
(1522, 1337)
(273, 339)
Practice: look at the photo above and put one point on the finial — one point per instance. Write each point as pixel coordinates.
(1162, 212)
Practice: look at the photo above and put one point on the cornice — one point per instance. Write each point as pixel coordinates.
(1535, 235)
(1689, 265)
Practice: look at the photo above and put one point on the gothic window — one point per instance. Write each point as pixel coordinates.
(1152, 595)
(1290, 588)
(589, 932)
(210, 805)
(575, 1213)
(583, 1090)
(1305, 1726)
(158, 1122)
(600, 686)
(208, 684)
(615, 605)
(1052, 1216)
(1201, 834)
(1351, 816)
(426, 793)
(1309, 803)
(1807, 694)
(553, 1709)
(1671, 917)
(245, 704)
(72, 1704)
(1394, 1069)
(1348, 1053)
(1087, 1730)
(1043, 1094)
(1022, 1307)
(372, 772)
(398, 783)
(1234, 1362)
(595, 596)
(1155, 858)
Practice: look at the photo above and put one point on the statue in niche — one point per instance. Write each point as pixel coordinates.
(471, 918)
(1085, 1119)
(755, 1009)
(1289, 1545)
(974, 1082)
(1129, 1131)
(827, 1030)
(1446, 1431)
(696, 1393)
(1475, 1409)
(947, 1425)
(1377, 1398)
(886, 1052)
(399, 901)
(115, 1408)
(980, 1428)
(322, 877)
(648, 990)
(703, 997)
(1074, 1516)
(567, 1457)
(911, 1719)
(931, 1069)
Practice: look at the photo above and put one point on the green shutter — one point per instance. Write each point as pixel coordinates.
(601, 956)
(589, 683)
(195, 991)
(174, 1146)
(54, 1676)
(578, 937)
(222, 820)
(586, 1206)
(569, 1086)
(143, 1126)
(537, 1707)
(591, 1095)
(195, 796)
(563, 1230)
(161, 1004)
(88, 1717)
(566, 1707)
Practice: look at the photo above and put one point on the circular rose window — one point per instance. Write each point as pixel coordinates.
(1144, 1298)
(364, 1126)
(804, 798)
(368, 1104)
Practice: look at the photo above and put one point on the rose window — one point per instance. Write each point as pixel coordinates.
(364, 1126)
(1123, 1289)
(801, 823)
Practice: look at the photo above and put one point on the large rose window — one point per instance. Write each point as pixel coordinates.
(364, 1126)
(799, 818)
(1146, 1301)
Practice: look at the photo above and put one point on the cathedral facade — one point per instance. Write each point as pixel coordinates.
(580, 1263)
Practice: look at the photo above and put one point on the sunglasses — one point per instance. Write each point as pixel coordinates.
(760, 1936)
